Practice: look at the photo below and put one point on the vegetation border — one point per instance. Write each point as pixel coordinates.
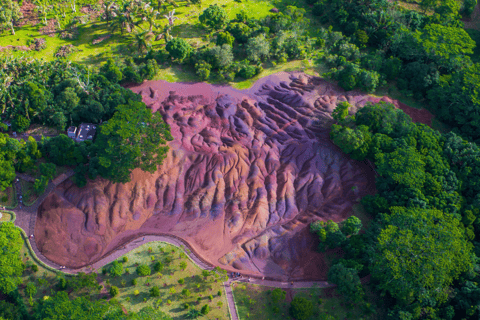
(15, 198)
(37, 260)
(14, 216)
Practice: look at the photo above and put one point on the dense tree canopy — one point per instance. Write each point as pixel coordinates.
(419, 253)
(11, 265)
(132, 138)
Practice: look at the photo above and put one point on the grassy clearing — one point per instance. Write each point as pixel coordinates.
(8, 198)
(28, 193)
(255, 302)
(200, 288)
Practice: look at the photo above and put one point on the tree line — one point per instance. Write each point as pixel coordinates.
(420, 248)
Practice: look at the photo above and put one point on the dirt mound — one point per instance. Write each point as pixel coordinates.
(246, 174)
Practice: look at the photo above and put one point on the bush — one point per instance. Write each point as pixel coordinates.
(116, 269)
(258, 48)
(301, 308)
(214, 17)
(247, 71)
(134, 282)
(186, 292)
(114, 291)
(219, 293)
(62, 283)
(125, 259)
(143, 270)
(136, 292)
(202, 69)
(181, 281)
(111, 71)
(155, 291)
(30, 290)
(205, 309)
(225, 38)
(34, 268)
(221, 57)
(158, 267)
(179, 49)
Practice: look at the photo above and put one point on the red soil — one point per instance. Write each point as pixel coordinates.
(246, 174)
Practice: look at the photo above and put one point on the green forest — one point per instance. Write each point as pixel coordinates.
(69, 62)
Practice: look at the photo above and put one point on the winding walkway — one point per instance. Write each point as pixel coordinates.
(26, 219)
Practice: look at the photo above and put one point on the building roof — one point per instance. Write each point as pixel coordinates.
(86, 131)
(72, 129)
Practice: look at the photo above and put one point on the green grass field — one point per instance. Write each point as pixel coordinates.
(28, 192)
(5, 216)
(200, 288)
(254, 302)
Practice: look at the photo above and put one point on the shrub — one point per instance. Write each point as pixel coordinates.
(258, 48)
(247, 72)
(111, 71)
(62, 283)
(172, 290)
(116, 269)
(20, 123)
(143, 270)
(219, 293)
(210, 297)
(186, 306)
(202, 69)
(123, 283)
(186, 292)
(205, 309)
(169, 301)
(301, 308)
(221, 57)
(114, 291)
(136, 292)
(158, 267)
(155, 291)
(181, 281)
(34, 268)
(30, 290)
(183, 265)
(225, 38)
(134, 282)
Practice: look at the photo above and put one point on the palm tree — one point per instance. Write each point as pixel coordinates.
(142, 40)
(119, 22)
(109, 9)
(171, 19)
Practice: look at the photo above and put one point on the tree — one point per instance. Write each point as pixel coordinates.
(142, 40)
(48, 170)
(179, 49)
(355, 142)
(351, 226)
(278, 295)
(7, 173)
(155, 291)
(221, 57)
(341, 111)
(132, 138)
(301, 308)
(347, 281)
(419, 253)
(214, 17)
(20, 123)
(40, 185)
(143, 270)
(30, 290)
(11, 265)
(111, 71)
(114, 291)
(445, 42)
(258, 48)
(116, 269)
(225, 38)
(9, 14)
(193, 313)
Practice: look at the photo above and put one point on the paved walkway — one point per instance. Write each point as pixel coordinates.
(26, 219)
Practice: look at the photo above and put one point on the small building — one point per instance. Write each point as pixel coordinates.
(86, 131)
(72, 132)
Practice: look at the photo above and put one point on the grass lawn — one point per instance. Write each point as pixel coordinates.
(28, 192)
(200, 288)
(5, 216)
(254, 302)
(8, 198)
